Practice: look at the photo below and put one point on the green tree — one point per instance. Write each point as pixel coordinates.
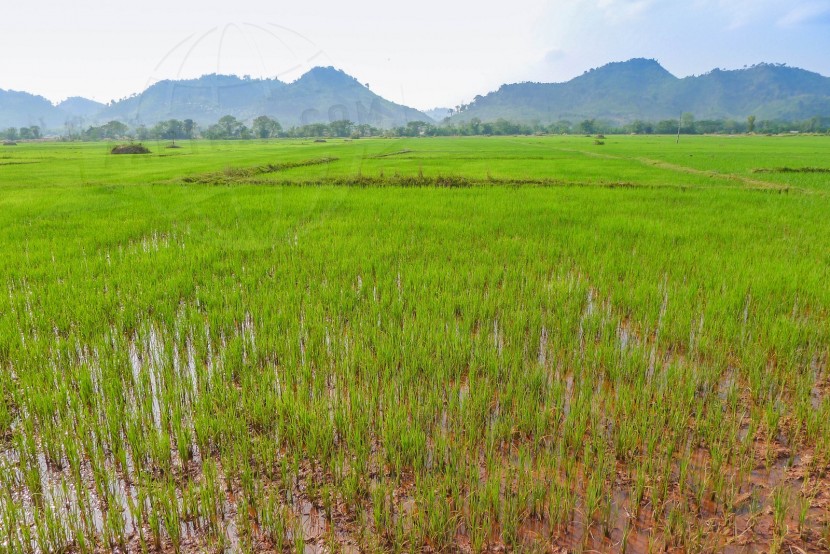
(666, 127)
(188, 126)
(560, 127)
(731, 126)
(708, 126)
(587, 126)
(228, 127)
(640, 127)
(264, 127)
(341, 128)
(365, 130)
(750, 124)
(687, 123)
(815, 124)
(110, 130)
(415, 129)
(168, 130)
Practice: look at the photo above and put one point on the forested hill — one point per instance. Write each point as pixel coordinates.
(324, 94)
(618, 93)
(21, 109)
(641, 89)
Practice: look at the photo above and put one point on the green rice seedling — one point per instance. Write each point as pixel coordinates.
(804, 503)
(352, 488)
(247, 524)
(780, 509)
(437, 524)
(274, 522)
(593, 495)
(298, 534)
(510, 520)
(626, 535)
(478, 520)
(172, 520)
(560, 505)
(676, 527)
(155, 521)
(607, 514)
(400, 539)
(328, 501)
(115, 525)
(381, 507)
(638, 491)
(41, 532)
(26, 539)
(538, 494)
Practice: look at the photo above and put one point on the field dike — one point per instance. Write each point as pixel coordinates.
(235, 174)
(390, 154)
(792, 170)
(253, 176)
(249, 176)
(433, 181)
(746, 181)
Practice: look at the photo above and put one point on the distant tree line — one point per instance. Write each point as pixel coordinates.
(227, 128)
(687, 124)
(22, 133)
(264, 127)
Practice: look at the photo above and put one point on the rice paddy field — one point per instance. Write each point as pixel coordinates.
(531, 344)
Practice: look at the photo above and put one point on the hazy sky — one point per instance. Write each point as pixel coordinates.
(425, 53)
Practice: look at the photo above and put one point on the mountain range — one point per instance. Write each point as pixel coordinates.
(323, 94)
(642, 89)
(618, 92)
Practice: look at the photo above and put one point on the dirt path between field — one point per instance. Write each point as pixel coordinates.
(756, 183)
(660, 164)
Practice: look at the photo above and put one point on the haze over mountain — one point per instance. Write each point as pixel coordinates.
(642, 89)
(619, 92)
(439, 114)
(21, 109)
(323, 94)
(79, 107)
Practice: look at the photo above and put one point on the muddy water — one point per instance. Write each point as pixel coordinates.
(747, 531)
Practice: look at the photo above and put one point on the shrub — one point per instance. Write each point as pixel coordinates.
(130, 149)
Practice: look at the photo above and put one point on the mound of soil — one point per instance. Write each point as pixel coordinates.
(320, 140)
(9, 143)
(130, 149)
(172, 146)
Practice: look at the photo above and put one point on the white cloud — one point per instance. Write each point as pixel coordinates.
(811, 12)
